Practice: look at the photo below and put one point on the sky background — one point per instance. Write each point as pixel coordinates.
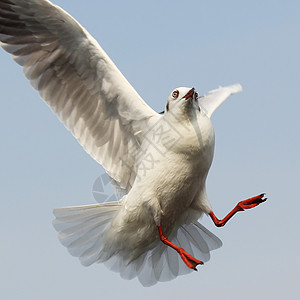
(160, 45)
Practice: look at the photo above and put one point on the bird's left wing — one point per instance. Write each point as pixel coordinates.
(78, 81)
(213, 99)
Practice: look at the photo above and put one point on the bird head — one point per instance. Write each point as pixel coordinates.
(182, 101)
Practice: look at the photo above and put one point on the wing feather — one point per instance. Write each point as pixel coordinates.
(213, 99)
(78, 81)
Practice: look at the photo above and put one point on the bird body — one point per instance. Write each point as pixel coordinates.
(159, 162)
(171, 166)
(170, 185)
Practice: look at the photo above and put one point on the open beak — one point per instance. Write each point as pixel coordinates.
(190, 94)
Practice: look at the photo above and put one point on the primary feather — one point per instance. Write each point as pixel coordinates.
(78, 81)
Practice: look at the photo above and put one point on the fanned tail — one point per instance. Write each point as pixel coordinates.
(163, 263)
(81, 230)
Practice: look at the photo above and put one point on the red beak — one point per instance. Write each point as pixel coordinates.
(190, 94)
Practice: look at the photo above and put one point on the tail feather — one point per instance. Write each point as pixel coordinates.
(72, 214)
(81, 230)
(162, 263)
(88, 237)
(92, 254)
(212, 241)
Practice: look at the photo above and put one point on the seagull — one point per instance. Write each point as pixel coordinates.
(160, 162)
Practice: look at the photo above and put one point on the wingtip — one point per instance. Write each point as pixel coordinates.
(236, 88)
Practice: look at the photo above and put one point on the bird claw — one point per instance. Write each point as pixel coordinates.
(251, 202)
(189, 260)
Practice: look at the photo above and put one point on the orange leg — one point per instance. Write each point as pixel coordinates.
(242, 205)
(189, 260)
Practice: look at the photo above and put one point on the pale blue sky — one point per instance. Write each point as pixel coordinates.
(158, 46)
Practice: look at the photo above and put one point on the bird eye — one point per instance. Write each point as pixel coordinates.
(175, 94)
(196, 96)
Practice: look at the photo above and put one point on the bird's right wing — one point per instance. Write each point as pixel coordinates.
(78, 81)
(213, 99)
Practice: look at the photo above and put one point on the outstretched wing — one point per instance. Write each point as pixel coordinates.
(213, 99)
(78, 81)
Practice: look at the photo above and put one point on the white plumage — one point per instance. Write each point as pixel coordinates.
(160, 161)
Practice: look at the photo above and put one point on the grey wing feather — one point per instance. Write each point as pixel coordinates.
(78, 81)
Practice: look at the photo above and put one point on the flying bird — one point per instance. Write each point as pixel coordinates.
(158, 161)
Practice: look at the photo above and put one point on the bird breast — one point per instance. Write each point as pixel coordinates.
(174, 162)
